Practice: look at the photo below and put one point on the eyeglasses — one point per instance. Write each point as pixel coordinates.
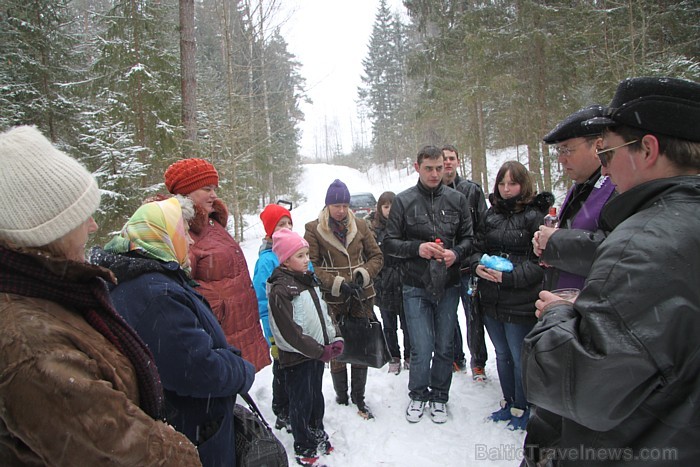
(565, 151)
(606, 154)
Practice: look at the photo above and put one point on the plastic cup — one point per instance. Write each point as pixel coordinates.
(567, 294)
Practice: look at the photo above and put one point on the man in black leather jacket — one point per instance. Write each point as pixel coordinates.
(620, 365)
(476, 341)
(430, 230)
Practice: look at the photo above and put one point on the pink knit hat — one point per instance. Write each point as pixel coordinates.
(285, 243)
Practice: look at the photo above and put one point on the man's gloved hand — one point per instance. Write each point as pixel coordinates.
(274, 350)
(327, 354)
(337, 347)
(351, 290)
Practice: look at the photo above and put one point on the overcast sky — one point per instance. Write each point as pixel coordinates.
(330, 39)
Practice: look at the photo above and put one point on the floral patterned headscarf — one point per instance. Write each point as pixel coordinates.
(157, 230)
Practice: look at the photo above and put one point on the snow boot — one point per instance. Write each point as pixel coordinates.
(502, 414)
(340, 384)
(357, 392)
(519, 418)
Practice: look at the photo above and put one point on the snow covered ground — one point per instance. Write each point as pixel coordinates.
(467, 439)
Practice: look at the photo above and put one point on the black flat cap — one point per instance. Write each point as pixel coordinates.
(572, 126)
(668, 106)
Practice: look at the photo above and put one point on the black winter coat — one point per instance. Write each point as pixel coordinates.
(420, 215)
(505, 232)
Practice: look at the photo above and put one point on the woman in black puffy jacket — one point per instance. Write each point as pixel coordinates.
(507, 299)
(388, 288)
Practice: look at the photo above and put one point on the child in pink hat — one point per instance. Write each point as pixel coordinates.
(306, 339)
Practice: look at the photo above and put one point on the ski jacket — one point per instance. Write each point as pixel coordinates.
(335, 263)
(299, 318)
(621, 364)
(266, 263)
(220, 268)
(69, 396)
(508, 233)
(420, 215)
(201, 373)
(571, 248)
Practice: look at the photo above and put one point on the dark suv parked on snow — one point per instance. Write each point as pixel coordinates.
(361, 204)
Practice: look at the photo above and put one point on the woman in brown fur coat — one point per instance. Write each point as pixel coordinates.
(346, 260)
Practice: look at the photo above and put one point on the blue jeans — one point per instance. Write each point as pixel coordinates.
(431, 326)
(508, 340)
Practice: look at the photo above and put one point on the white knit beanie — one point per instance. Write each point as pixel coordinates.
(44, 193)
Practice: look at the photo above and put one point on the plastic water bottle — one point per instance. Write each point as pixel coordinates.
(551, 219)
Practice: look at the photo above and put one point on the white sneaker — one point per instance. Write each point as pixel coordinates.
(438, 412)
(414, 411)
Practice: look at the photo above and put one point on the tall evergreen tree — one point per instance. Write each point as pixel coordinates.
(38, 58)
(383, 90)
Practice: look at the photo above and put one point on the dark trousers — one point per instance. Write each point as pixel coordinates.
(280, 399)
(306, 406)
(476, 337)
(390, 316)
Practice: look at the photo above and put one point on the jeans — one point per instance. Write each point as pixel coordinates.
(306, 405)
(390, 315)
(476, 338)
(508, 340)
(431, 325)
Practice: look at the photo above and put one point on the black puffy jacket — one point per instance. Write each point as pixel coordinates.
(504, 231)
(420, 215)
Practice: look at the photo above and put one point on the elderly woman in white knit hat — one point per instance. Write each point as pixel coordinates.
(78, 385)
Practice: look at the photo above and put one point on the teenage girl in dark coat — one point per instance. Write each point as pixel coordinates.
(507, 299)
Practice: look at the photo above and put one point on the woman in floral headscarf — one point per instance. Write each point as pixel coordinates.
(200, 371)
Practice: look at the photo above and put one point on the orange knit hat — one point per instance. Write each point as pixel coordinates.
(187, 175)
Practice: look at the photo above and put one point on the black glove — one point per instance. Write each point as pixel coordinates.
(351, 290)
(359, 280)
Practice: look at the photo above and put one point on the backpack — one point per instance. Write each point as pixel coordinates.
(256, 445)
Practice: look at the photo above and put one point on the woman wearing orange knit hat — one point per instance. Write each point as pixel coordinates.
(218, 263)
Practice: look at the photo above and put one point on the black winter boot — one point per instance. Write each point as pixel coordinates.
(357, 391)
(340, 384)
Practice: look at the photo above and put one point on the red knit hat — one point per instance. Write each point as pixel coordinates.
(271, 215)
(187, 175)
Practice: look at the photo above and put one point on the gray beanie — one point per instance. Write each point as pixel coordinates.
(44, 193)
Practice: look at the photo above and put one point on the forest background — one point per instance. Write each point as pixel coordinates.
(130, 86)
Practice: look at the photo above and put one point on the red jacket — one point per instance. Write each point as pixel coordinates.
(220, 268)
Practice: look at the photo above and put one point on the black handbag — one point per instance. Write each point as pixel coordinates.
(256, 445)
(364, 342)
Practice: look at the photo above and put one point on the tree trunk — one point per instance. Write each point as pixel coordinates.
(188, 70)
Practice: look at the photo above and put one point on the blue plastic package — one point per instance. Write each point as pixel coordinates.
(496, 262)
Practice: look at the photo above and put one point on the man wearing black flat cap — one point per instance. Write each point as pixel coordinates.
(620, 364)
(569, 248)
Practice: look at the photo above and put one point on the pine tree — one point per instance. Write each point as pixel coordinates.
(38, 60)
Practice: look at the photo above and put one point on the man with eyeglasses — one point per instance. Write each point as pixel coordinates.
(620, 363)
(568, 250)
